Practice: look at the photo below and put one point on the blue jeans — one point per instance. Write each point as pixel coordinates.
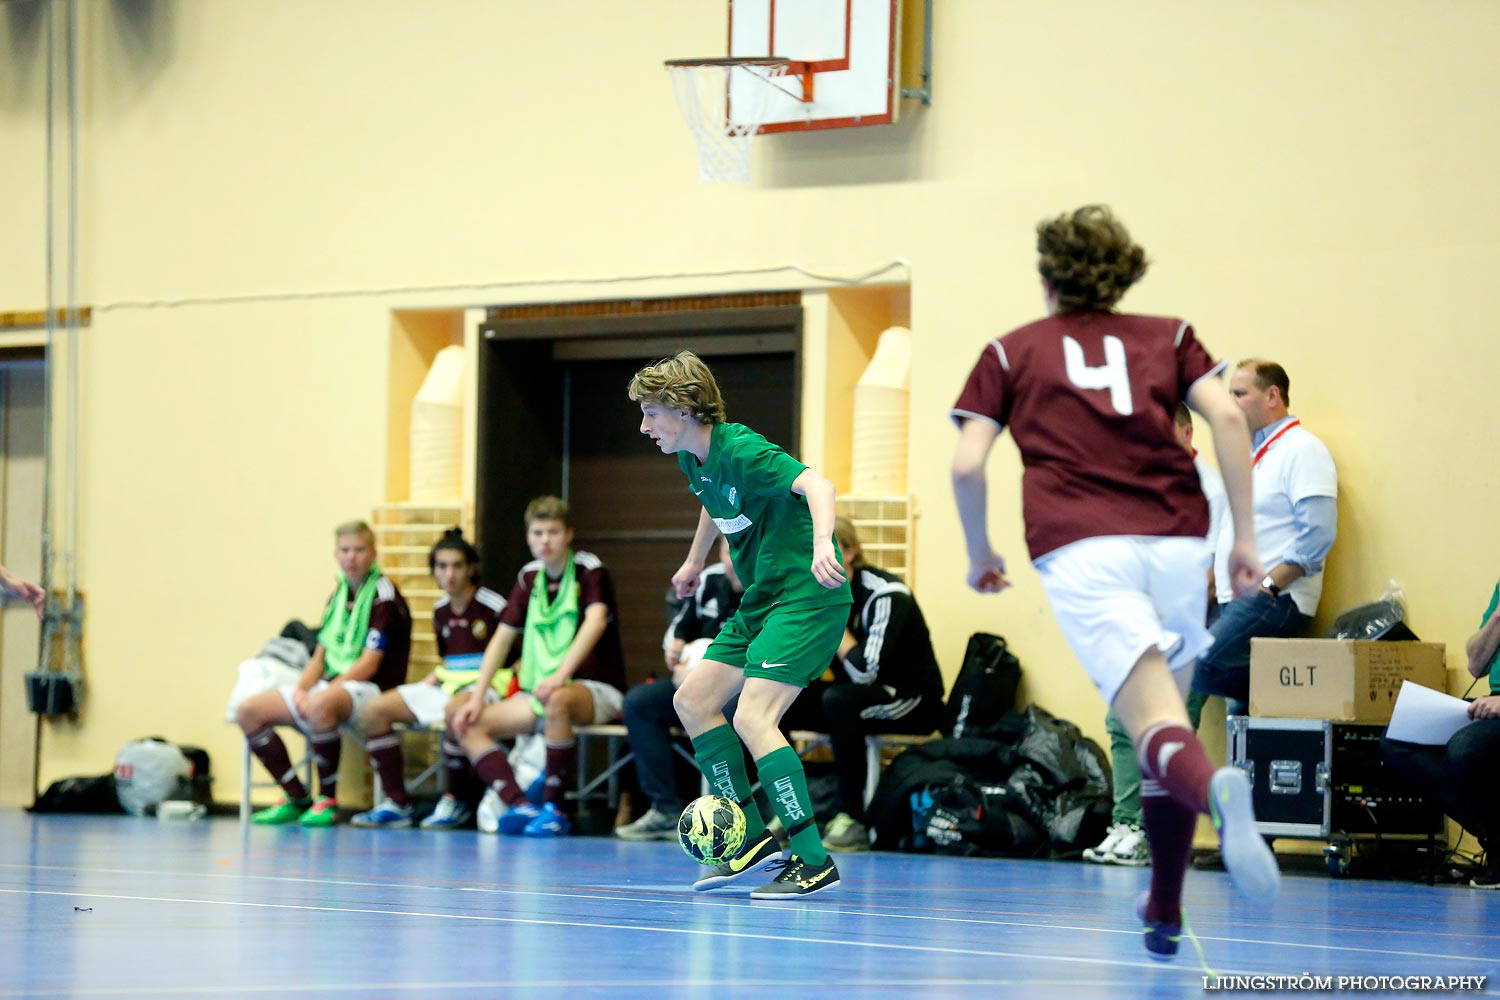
(1459, 777)
(649, 718)
(1225, 669)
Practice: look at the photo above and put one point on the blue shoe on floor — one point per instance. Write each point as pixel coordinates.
(516, 819)
(450, 814)
(537, 790)
(1251, 865)
(550, 823)
(1161, 940)
(387, 814)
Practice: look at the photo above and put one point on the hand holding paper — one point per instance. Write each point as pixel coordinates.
(1425, 716)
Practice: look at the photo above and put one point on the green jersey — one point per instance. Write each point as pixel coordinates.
(746, 487)
(1494, 663)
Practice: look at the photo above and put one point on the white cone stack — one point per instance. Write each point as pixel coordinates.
(881, 404)
(437, 423)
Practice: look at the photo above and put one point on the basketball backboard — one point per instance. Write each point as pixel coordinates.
(853, 48)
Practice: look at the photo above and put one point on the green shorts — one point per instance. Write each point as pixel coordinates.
(792, 643)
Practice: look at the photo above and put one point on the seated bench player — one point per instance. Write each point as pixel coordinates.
(572, 672)
(463, 622)
(886, 679)
(362, 650)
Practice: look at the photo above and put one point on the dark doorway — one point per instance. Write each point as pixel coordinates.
(554, 418)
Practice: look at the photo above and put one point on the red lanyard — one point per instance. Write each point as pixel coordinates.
(1260, 452)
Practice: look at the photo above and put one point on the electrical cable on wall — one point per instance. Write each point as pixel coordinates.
(356, 293)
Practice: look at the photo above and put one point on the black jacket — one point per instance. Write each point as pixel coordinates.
(894, 647)
(706, 611)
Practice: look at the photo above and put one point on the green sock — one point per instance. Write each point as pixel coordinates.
(722, 761)
(782, 777)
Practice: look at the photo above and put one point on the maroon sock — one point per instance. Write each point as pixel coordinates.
(1169, 829)
(561, 759)
(327, 745)
(385, 754)
(460, 774)
(494, 770)
(1171, 756)
(271, 753)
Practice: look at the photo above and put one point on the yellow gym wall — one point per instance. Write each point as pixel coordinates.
(1314, 183)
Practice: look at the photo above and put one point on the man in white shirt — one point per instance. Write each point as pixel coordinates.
(1296, 523)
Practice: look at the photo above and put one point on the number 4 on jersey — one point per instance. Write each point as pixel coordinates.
(1111, 375)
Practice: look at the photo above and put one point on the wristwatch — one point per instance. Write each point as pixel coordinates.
(1269, 584)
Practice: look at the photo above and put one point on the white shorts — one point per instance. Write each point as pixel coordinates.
(360, 692)
(1117, 596)
(608, 701)
(429, 702)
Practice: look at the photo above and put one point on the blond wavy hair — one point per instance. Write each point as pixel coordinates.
(681, 382)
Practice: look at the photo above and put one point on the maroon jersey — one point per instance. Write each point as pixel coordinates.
(606, 662)
(390, 633)
(1089, 398)
(466, 634)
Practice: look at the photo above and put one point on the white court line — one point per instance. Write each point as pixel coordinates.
(738, 903)
(694, 932)
(613, 985)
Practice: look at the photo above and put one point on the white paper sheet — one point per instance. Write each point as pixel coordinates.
(1425, 716)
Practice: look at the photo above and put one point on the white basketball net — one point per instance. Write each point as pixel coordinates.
(723, 130)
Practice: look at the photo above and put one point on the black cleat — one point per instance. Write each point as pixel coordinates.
(757, 858)
(798, 880)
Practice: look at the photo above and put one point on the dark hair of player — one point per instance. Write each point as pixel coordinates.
(453, 540)
(1088, 259)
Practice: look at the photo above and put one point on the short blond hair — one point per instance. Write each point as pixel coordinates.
(549, 509)
(681, 382)
(355, 528)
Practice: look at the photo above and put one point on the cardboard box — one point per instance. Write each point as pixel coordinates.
(1339, 679)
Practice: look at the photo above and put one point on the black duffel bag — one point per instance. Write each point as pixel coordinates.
(985, 689)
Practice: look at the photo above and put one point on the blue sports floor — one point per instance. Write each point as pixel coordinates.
(122, 907)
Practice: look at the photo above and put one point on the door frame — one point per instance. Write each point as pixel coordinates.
(525, 336)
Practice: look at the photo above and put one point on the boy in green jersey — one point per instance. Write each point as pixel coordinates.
(777, 515)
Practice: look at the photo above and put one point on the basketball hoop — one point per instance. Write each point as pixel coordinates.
(722, 119)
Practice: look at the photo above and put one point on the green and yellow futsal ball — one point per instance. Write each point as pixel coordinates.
(711, 829)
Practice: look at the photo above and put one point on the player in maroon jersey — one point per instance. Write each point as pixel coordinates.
(463, 620)
(1115, 524)
(362, 650)
(562, 611)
